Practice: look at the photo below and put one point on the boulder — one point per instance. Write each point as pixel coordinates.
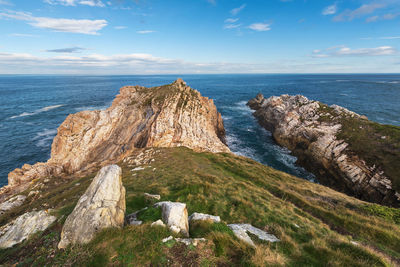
(158, 223)
(175, 215)
(11, 203)
(203, 217)
(25, 225)
(240, 231)
(101, 206)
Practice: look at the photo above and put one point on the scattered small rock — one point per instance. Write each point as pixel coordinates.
(165, 240)
(203, 217)
(240, 231)
(190, 241)
(158, 223)
(175, 215)
(137, 169)
(131, 219)
(13, 202)
(156, 197)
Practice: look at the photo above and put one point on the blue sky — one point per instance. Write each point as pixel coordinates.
(199, 36)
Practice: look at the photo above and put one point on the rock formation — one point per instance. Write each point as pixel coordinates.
(164, 116)
(24, 226)
(11, 203)
(101, 206)
(324, 138)
(175, 215)
(204, 217)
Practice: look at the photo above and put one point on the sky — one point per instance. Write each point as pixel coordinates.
(199, 36)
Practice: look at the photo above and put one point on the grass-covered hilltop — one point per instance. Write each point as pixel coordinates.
(343, 149)
(150, 182)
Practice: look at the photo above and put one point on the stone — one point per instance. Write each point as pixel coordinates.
(24, 226)
(158, 223)
(240, 231)
(11, 203)
(295, 124)
(203, 217)
(175, 215)
(101, 206)
(150, 196)
(190, 241)
(131, 219)
(165, 240)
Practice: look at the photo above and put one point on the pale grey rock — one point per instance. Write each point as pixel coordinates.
(175, 215)
(24, 226)
(101, 206)
(11, 203)
(240, 231)
(131, 219)
(150, 196)
(165, 240)
(190, 241)
(158, 223)
(203, 217)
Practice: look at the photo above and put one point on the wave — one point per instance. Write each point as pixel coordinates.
(24, 114)
(91, 108)
(45, 137)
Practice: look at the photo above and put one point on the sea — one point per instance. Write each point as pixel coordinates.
(33, 106)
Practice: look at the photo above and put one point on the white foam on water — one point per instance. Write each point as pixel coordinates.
(45, 137)
(24, 114)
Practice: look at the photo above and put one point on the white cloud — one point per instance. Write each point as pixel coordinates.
(213, 2)
(390, 37)
(120, 27)
(232, 26)
(23, 35)
(145, 32)
(83, 26)
(236, 11)
(372, 19)
(340, 51)
(330, 10)
(363, 10)
(231, 20)
(6, 3)
(97, 3)
(260, 27)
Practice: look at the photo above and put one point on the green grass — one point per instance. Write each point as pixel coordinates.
(314, 223)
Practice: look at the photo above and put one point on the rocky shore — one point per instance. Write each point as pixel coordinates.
(343, 149)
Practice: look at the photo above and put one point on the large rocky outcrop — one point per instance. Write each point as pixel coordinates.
(165, 116)
(24, 226)
(101, 206)
(324, 138)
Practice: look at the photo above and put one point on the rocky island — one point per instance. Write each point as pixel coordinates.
(150, 182)
(345, 150)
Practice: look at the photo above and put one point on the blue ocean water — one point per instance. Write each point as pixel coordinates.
(32, 107)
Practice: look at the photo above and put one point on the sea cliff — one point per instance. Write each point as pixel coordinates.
(343, 149)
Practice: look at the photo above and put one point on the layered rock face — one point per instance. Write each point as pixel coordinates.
(314, 132)
(166, 116)
(102, 206)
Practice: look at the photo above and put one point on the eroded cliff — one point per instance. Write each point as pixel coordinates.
(165, 116)
(343, 149)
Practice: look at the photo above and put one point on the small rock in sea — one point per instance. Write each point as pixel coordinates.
(151, 196)
(203, 217)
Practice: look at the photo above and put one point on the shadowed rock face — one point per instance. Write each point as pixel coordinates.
(166, 116)
(311, 130)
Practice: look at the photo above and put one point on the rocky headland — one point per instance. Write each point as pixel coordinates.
(343, 149)
(166, 116)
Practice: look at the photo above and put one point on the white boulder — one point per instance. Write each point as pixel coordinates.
(175, 215)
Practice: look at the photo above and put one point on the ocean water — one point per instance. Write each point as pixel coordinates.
(32, 107)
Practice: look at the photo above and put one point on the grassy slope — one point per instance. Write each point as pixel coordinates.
(377, 144)
(316, 224)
